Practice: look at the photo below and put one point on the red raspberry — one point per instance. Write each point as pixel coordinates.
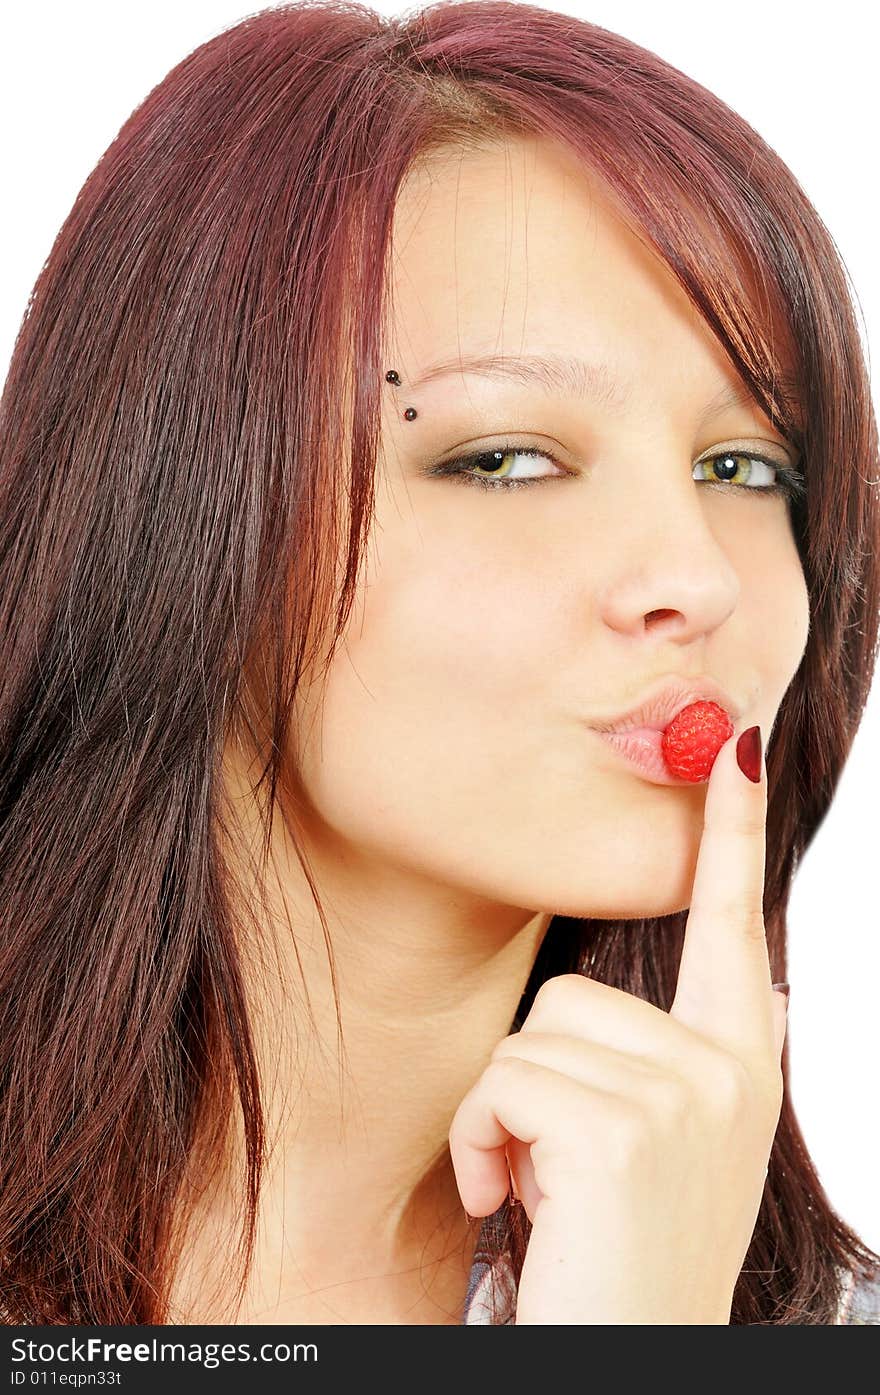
(693, 739)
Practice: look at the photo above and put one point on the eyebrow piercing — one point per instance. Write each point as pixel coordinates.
(392, 376)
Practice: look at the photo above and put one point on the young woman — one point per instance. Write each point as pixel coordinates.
(403, 404)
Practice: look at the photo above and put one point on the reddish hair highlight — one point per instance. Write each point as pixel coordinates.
(181, 536)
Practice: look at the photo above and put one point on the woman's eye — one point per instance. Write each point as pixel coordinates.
(737, 467)
(496, 465)
(497, 468)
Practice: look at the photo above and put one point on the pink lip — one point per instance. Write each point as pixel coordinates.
(664, 700)
(640, 748)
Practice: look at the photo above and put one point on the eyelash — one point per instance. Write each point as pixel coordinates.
(790, 482)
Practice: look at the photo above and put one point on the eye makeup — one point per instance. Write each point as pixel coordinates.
(727, 463)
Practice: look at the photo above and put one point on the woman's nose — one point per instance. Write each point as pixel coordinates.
(669, 573)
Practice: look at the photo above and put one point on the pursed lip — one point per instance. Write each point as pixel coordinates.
(663, 700)
(642, 750)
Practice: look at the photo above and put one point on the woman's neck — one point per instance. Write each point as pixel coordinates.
(359, 1188)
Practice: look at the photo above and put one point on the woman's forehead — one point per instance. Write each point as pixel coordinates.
(520, 244)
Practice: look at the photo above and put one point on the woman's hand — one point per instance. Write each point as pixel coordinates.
(638, 1140)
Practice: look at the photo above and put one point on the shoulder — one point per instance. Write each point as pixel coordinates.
(860, 1305)
(491, 1293)
(491, 1297)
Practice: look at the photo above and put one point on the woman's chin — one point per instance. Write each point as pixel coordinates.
(627, 906)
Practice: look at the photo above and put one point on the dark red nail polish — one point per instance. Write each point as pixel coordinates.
(748, 754)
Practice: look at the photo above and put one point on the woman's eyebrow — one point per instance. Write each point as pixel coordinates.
(553, 372)
(594, 382)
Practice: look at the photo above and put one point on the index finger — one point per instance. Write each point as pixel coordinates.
(724, 988)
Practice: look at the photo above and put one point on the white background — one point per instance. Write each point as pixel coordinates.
(805, 78)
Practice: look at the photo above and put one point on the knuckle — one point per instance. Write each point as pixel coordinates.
(733, 1088)
(500, 1070)
(559, 990)
(754, 926)
(750, 821)
(672, 1097)
(555, 993)
(628, 1138)
(747, 1093)
(732, 915)
(505, 1047)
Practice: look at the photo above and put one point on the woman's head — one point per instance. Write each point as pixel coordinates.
(196, 429)
(493, 623)
(659, 236)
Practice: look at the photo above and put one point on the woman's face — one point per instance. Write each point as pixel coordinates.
(494, 623)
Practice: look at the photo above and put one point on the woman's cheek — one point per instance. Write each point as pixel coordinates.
(426, 701)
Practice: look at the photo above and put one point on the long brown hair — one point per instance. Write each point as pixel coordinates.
(175, 508)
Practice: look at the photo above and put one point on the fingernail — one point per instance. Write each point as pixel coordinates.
(748, 754)
(781, 988)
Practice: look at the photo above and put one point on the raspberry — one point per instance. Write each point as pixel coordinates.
(693, 738)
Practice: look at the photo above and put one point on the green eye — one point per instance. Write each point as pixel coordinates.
(500, 458)
(731, 469)
(735, 468)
